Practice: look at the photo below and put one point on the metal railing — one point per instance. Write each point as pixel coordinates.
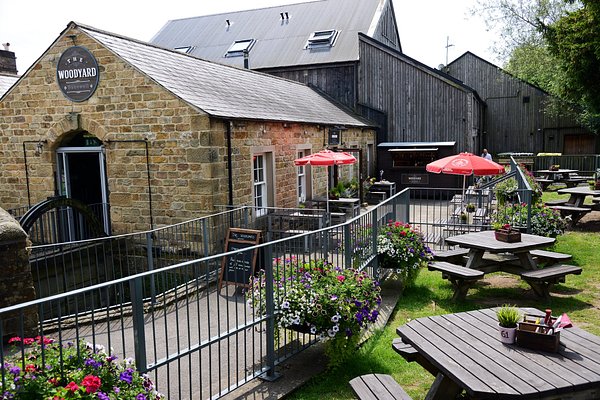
(155, 296)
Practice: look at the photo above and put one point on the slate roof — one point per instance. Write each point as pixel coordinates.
(225, 91)
(6, 81)
(279, 42)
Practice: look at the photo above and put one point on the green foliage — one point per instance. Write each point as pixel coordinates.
(331, 302)
(73, 371)
(431, 295)
(508, 316)
(506, 191)
(402, 248)
(575, 41)
(544, 220)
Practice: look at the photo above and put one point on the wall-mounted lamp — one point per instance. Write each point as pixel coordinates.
(39, 147)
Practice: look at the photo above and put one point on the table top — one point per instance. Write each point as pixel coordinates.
(581, 190)
(486, 240)
(466, 348)
(558, 171)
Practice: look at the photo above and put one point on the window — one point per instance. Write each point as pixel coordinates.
(185, 49)
(301, 180)
(260, 184)
(239, 46)
(320, 39)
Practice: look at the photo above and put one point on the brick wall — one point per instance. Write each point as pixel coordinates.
(16, 283)
(187, 148)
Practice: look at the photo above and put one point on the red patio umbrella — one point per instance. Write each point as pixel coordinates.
(465, 164)
(326, 158)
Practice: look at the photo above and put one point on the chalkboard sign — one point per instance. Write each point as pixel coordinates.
(236, 269)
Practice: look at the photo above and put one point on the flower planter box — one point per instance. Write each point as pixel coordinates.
(508, 236)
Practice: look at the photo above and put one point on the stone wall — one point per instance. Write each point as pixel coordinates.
(16, 284)
(187, 149)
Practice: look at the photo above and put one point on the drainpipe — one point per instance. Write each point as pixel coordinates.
(229, 164)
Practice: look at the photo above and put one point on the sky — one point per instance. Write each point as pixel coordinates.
(425, 26)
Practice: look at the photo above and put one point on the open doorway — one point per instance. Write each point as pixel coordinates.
(81, 174)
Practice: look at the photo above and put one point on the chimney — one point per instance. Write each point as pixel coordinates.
(8, 61)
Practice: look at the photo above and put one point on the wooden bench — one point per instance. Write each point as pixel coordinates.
(558, 202)
(572, 182)
(576, 213)
(552, 257)
(378, 387)
(410, 354)
(544, 183)
(542, 279)
(461, 278)
(455, 256)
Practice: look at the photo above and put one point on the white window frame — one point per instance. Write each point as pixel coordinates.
(302, 187)
(320, 39)
(260, 184)
(238, 47)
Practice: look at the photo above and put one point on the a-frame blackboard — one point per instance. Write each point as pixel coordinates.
(236, 269)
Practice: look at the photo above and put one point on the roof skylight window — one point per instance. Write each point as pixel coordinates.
(319, 39)
(185, 49)
(239, 46)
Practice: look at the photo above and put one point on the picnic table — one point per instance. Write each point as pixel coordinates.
(480, 243)
(567, 176)
(574, 206)
(484, 254)
(463, 351)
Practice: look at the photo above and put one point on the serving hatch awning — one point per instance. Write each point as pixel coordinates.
(416, 149)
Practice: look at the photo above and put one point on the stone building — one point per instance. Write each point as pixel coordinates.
(151, 136)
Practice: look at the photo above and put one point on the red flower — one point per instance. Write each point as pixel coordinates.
(402, 233)
(341, 278)
(28, 340)
(506, 226)
(91, 383)
(53, 381)
(72, 386)
(30, 368)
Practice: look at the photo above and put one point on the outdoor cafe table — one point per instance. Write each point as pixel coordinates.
(479, 243)
(578, 195)
(558, 174)
(464, 352)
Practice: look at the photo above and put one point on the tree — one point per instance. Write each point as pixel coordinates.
(575, 41)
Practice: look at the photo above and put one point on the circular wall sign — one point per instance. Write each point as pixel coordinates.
(77, 73)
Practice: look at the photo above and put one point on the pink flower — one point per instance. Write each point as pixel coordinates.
(28, 340)
(91, 383)
(341, 278)
(14, 339)
(72, 386)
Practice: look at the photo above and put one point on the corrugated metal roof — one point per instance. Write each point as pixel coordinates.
(6, 81)
(225, 91)
(279, 42)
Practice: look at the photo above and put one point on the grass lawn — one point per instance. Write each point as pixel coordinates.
(579, 297)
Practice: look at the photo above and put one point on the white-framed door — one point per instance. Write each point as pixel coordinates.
(81, 175)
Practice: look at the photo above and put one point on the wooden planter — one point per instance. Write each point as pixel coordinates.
(534, 336)
(511, 236)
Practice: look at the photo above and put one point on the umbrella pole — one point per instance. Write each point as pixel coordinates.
(327, 200)
(462, 202)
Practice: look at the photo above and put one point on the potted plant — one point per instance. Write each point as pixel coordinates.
(318, 298)
(44, 369)
(470, 207)
(508, 316)
(402, 248)
(506, 233)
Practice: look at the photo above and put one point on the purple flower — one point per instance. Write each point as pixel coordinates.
(127, 376)
(90, 362)
(102, 396)
(141, 396)
(15, 370)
